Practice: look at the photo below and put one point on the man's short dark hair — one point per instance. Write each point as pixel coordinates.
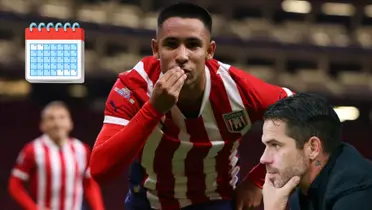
(308, 115)
(186, 10)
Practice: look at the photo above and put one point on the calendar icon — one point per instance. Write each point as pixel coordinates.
(54, 53)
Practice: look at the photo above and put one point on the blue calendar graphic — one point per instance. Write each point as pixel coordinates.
(54, 53)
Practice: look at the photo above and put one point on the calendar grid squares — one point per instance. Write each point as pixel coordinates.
(54, 77)
(57, 59)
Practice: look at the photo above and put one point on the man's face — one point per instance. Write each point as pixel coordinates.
(282, 158)
(184, 42)
(56, 122)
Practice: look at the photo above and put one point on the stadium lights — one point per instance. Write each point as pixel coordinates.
(78, 91)
(368, 10)
(347, 113)
(338, 9)
(296, 6)
(16, 88)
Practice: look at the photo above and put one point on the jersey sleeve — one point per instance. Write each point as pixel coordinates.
(259, 95)
(120, 105)
(25, 163)
(129, 121)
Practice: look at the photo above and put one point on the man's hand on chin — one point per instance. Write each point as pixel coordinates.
(248, 195)
(277, 198)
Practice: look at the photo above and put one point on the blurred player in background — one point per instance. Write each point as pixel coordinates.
(56, 167)
(178, 117)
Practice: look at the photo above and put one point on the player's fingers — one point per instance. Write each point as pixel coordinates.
(177, 86)
(180, 82)
(171, 73)
(168, 74)
(174, 79)
(168, 79)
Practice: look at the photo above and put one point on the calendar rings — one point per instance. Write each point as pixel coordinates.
(49, 25)
(75, 25)
(32, 25)
(58, 25)
(66, 25)
(40, 26)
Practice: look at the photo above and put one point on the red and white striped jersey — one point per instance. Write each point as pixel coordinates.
(189, 161)
(55, 173)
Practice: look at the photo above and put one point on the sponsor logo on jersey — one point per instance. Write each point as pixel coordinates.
(125, 92)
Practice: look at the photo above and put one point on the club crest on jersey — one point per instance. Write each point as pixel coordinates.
(125, 92)
(236, 121)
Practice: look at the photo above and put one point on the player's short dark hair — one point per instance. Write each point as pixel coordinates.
(59, 104)
(186, 10)
(308, 115)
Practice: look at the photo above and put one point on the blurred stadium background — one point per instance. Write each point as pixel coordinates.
(317, 46)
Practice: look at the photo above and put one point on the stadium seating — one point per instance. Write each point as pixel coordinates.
(252, 32)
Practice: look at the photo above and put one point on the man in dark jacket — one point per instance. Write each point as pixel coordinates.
(303, 149)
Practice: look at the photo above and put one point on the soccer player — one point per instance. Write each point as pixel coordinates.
(302, 135)
(177, 119)
(55, 166)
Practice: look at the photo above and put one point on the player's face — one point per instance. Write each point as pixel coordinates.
(184, 42)
(282, 158)
(56, 122)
